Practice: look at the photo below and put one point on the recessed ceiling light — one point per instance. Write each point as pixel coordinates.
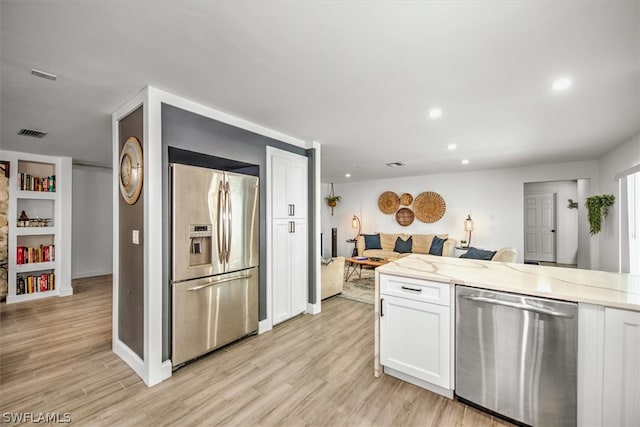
(43, 74)
(465, 162)
(561, 84)
(435, 113)
(452, 147)
(348, 175)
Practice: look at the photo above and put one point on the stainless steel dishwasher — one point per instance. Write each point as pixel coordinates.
(517, 355)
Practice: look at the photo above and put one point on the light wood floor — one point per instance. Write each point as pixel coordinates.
(55, 357)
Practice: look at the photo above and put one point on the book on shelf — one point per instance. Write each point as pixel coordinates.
(29, 255)
(27, 182)
(35, 283)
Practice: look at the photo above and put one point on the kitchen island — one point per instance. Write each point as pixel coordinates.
(421, 288)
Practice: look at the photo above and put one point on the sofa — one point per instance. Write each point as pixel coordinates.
(332, 277)
(506, 254)
(421, 244)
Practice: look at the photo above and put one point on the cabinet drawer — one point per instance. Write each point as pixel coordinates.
(416, 289)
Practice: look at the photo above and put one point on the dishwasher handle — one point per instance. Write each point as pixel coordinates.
(519, 306)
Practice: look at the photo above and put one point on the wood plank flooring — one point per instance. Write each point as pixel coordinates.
(55, 357)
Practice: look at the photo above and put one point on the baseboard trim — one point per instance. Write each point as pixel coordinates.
(129, 357)
(264, 326)
(313, 308)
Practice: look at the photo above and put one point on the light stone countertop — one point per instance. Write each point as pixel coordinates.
(616, 290)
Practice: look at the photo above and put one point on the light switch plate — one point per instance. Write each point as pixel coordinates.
(135, 237)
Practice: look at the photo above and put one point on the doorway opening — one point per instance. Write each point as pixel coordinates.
(551, 223)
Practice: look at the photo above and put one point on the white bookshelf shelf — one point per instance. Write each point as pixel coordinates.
(35, 231)
(31, 296)
(35, 266)
(36, 195)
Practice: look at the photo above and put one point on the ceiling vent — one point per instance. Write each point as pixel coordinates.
(396, 164)
(32, 133)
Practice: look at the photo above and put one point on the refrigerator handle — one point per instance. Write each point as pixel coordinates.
(227, 199)
(219, 236)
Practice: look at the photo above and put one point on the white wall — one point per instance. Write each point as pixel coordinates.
(92, 230)
(494, 198)
(617, 160)
(566, 219)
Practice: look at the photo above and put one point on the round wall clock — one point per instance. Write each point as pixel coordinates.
(131, 170)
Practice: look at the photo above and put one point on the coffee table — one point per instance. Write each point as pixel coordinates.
(353, 263)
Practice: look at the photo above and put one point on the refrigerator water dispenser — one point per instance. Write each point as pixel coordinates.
(200, 242)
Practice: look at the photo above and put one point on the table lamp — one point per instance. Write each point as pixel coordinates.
(468, 227)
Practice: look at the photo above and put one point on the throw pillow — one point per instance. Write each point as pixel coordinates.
(403, 246)
(474, 253)
(436, 246)
(372, 241)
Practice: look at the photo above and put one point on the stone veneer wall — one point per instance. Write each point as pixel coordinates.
(4, 233)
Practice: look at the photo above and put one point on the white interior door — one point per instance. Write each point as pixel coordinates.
(539, 227)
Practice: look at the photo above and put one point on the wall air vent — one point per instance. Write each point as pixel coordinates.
(32, 133)
(396, 164)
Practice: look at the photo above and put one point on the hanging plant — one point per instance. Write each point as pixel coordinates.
(597, 209)
(332, 200)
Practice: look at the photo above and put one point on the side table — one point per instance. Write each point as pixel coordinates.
(354, 252)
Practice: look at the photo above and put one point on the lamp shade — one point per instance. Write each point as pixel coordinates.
(355, 223)
(468, 224)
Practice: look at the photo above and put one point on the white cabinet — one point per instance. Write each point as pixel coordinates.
(621, 379)
(415, 332)
(608, 367)
(287, 234)
(289, 180)
(39, 248)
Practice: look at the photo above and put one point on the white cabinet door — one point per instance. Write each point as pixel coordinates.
(621, 385)
(280, 271)
(415, 339)
(289, 269)
(289, 183)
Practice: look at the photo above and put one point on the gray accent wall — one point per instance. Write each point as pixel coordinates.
(131, 257)
(189, 131)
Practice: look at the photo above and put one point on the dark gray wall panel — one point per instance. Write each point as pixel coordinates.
(130, 256)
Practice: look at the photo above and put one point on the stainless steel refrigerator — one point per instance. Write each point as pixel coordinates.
(215, 258)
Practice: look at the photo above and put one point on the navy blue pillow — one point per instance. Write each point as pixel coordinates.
(403, 246)
(436, 246)
(372, 241)
(474, 253)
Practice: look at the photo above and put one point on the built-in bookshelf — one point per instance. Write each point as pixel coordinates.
(39, 226)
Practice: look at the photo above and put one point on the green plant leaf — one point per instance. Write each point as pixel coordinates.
(597, 210)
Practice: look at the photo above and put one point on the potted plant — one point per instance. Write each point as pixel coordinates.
(597, 209)
(463, 243)
(332, 200)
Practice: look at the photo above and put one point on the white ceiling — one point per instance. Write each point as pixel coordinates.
(358, 77)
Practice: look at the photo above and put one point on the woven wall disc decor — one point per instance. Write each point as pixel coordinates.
(404, 216)
(406, 199)
(388, 202)
(429, 206)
